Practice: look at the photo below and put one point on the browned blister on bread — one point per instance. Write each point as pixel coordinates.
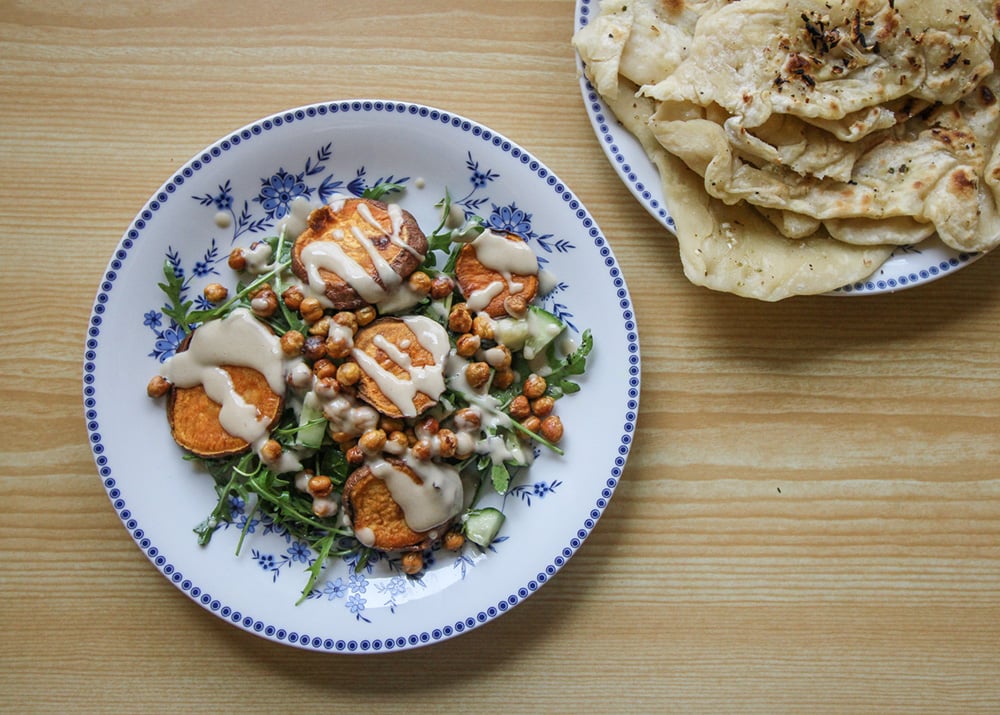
(473, 277)
(373, 512)
(194, 417)
(391, 233)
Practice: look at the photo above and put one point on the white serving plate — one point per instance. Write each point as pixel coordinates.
(231, 194)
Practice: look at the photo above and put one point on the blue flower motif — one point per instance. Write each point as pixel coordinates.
(396, 586)
(355, 604)
(359, 584)
(299, 551)
(247, 525)
(278, 192)
(265, 561)
(510, 218)
(152, 319)
(223, 200)
(202, 303)
(167, 343)
(335, 589)
(237, 505)
(479, 179)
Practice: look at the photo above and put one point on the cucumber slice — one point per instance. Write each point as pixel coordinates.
(312, 424)
(543, 328)
(482, 525)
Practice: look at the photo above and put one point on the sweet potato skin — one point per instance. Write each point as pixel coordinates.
(325, 221)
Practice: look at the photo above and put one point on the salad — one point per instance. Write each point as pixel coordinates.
(366, 383)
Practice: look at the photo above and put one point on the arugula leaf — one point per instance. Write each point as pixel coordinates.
(573, 364)
(379, 190)
(500, 476)
(176, 308)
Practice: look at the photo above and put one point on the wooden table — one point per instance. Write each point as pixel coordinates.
(810, 517)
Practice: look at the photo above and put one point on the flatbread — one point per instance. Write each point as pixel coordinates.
(798, 142)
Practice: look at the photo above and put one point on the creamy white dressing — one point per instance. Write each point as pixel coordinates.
(436, 499)
(479, 299)
(508, 258)
(426, 379)
(494, 250)
(236, 340)
(330, 256)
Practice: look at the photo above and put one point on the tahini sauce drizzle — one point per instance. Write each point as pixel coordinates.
(330, 256)
(436, 499)
(241, 340)
(428, 379)
(508, 258)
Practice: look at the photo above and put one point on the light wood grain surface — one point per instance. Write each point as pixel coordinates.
(810, 517)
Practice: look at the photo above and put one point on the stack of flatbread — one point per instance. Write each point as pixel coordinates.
(800, 142)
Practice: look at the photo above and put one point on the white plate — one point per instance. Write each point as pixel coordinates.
(908, 266)
(244, 179)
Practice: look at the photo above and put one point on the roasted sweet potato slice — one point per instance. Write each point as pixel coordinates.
(407, 400)
(194, 416)
(480, 282)
(377, 519)
(350, 275)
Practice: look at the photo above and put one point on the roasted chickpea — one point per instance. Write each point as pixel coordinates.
(365, 315)
(372, 441)
(419, 282)
(532, 424)
(292, 343)
(441, 287)
(467, 418)
(344, 439)
(271, 451)
(412, 563)
(482, 325)
(320, 327)
(158, 386)
(503, 379)
(460, 319)
(314, 348)
(348, 373)
(396, 442)
(447, 443)
(515, 305)
(427, 426)
(237, 261)
(355, 455)
(543, 406)
(215, 292)
(320, 485)
(552, 428)
(324, 368)
(346, 319)
(390, 424)
(264, 303)
(453, 540)
(338, 347)
(293, 297)
(421, 449)
(327, 387)
(477, 374)
(467, 345)
(534, 387)
(311, 309)
(520, 408)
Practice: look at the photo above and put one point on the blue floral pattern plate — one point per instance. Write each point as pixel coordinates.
(236, 191)
(908, 266)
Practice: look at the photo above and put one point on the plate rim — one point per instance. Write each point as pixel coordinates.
(133, 233)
